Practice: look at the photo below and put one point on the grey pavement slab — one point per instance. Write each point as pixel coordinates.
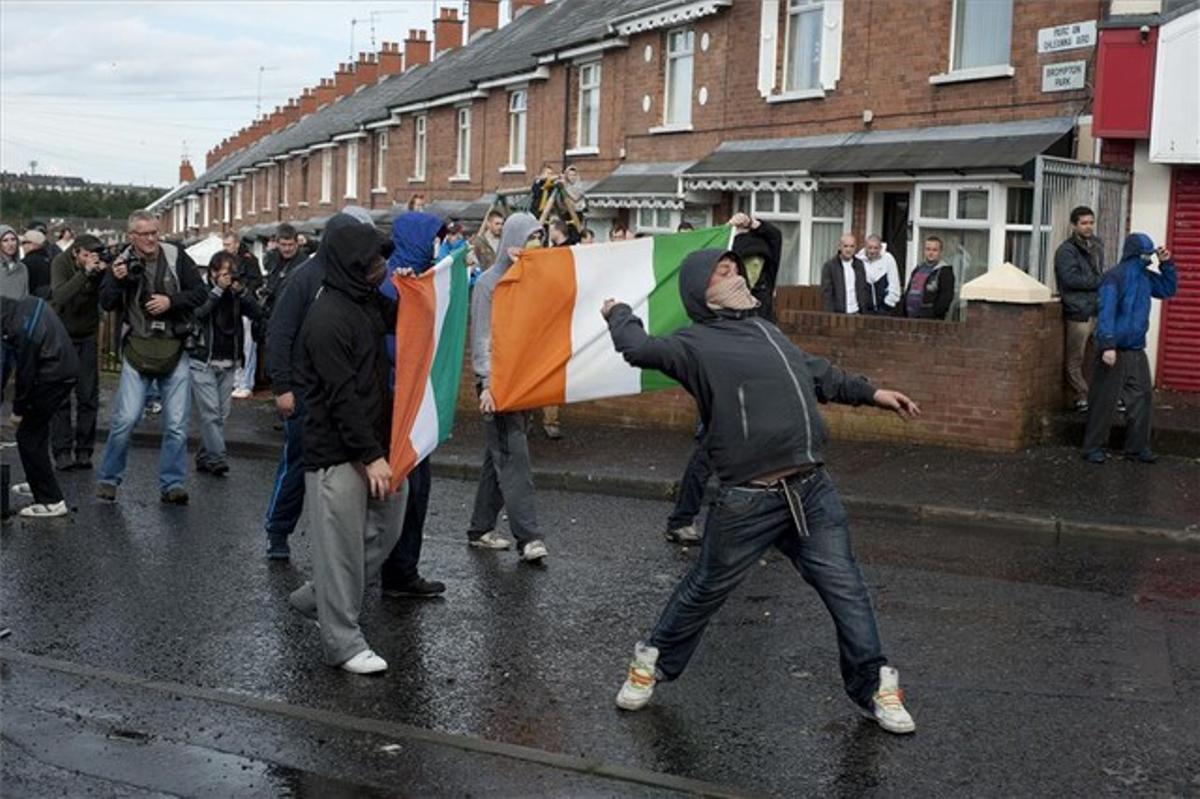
(1033, 665)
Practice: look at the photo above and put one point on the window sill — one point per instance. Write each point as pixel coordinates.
(460, 179)
(283, 206)
(379, 190)
(416, 180)
(350, 197)
(514, 169)
(978, 73)
(302, 204)
(788, 97)
(578, 151)
(671, 129)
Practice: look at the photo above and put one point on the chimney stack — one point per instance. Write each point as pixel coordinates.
(520, 6)
(325, 92)
(186, 173)
(391, 59)
(366, 71)
(308, 102)
(447, 31)
(482, 15)
(416, 49)
(343, 80)
(291, 112)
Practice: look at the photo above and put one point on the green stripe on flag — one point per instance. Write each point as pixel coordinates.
(446, 371)
(666, 313)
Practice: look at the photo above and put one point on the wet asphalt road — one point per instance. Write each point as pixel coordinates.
(153, 653)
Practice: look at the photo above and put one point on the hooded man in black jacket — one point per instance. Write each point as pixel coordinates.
(356, 518)
(47, 369)
(757, 395)
(759, 245)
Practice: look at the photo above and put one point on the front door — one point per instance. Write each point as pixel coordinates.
(896, 228)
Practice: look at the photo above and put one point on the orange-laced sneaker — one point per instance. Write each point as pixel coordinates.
(639, 683)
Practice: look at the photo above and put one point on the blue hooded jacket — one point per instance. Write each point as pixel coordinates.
(413, 234)
(1124, 295)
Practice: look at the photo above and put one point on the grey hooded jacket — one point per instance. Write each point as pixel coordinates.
(14, 277)
(517, 230)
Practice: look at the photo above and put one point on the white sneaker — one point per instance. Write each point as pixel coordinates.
(40, 511)
(534, 551)
(887, 705)
(639, 683)
(21, 490)
(242, 393)
(365, 662)
(491, 540)
(684, 535)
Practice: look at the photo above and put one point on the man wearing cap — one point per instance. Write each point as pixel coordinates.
(37, 262)
(75, 283)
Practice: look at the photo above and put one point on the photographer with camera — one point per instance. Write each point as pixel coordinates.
(156, 288)
(249, 275)
(75, 277)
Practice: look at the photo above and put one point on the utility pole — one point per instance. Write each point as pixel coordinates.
(258, 101)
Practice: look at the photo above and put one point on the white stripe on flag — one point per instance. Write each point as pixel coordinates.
(424, 434)
(622, 270)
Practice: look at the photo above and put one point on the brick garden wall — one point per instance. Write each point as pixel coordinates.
(982, 383)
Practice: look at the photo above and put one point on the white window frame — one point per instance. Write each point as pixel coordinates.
(588, 140)
(657, 225)
(270, 188)
(670, 58)
(352, 170)
(804, 216)
(796, 8)
(381, 148)
(420, 146)
(237, 199)
(193, 208)
(770, 79)
(958, 75)
(226, 196)
(994, 224)
(518, 121)
(252, 178)
(462, 143)
(207, 201)
(327, 175)
(283, 188)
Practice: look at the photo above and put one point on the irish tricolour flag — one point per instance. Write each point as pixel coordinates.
(431, 332)
(549, 343)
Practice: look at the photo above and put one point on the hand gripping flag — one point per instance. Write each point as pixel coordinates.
(550, 345)
(431, 332)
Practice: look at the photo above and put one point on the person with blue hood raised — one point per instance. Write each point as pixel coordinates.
(1121, 368)
(414, 238)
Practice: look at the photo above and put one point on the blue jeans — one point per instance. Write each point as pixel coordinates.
(211, 389)
(287, 495)
(742, 524)
(127, 410)
(691, 486)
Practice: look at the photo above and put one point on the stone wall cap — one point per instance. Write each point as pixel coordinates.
(1006, 283)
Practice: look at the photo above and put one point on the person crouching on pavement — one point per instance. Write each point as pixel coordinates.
(47, 369)
(215, 354)
(506, 478)
(757, 395)
(353, 515)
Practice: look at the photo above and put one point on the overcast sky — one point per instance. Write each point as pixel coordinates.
(111, 91)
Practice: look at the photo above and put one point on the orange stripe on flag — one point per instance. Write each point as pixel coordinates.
(415, 319)
(531, 330)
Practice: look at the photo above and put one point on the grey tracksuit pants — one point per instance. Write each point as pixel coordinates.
(352, 534)
(506, 479)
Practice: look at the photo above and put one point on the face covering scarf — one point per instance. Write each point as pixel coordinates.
(732, 293)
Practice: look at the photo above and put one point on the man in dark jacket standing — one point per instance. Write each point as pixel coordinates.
(156, 288)
(37, 260)
(75, 291)
(355, 515)
(289, 305)
(930, 291)
(46, 369)
(1078, 267)
(844, 286)
(757, 395)
(1122, 369)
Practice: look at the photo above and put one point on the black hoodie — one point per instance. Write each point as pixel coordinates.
(756, 391)
(44, 352)
(342, 359)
